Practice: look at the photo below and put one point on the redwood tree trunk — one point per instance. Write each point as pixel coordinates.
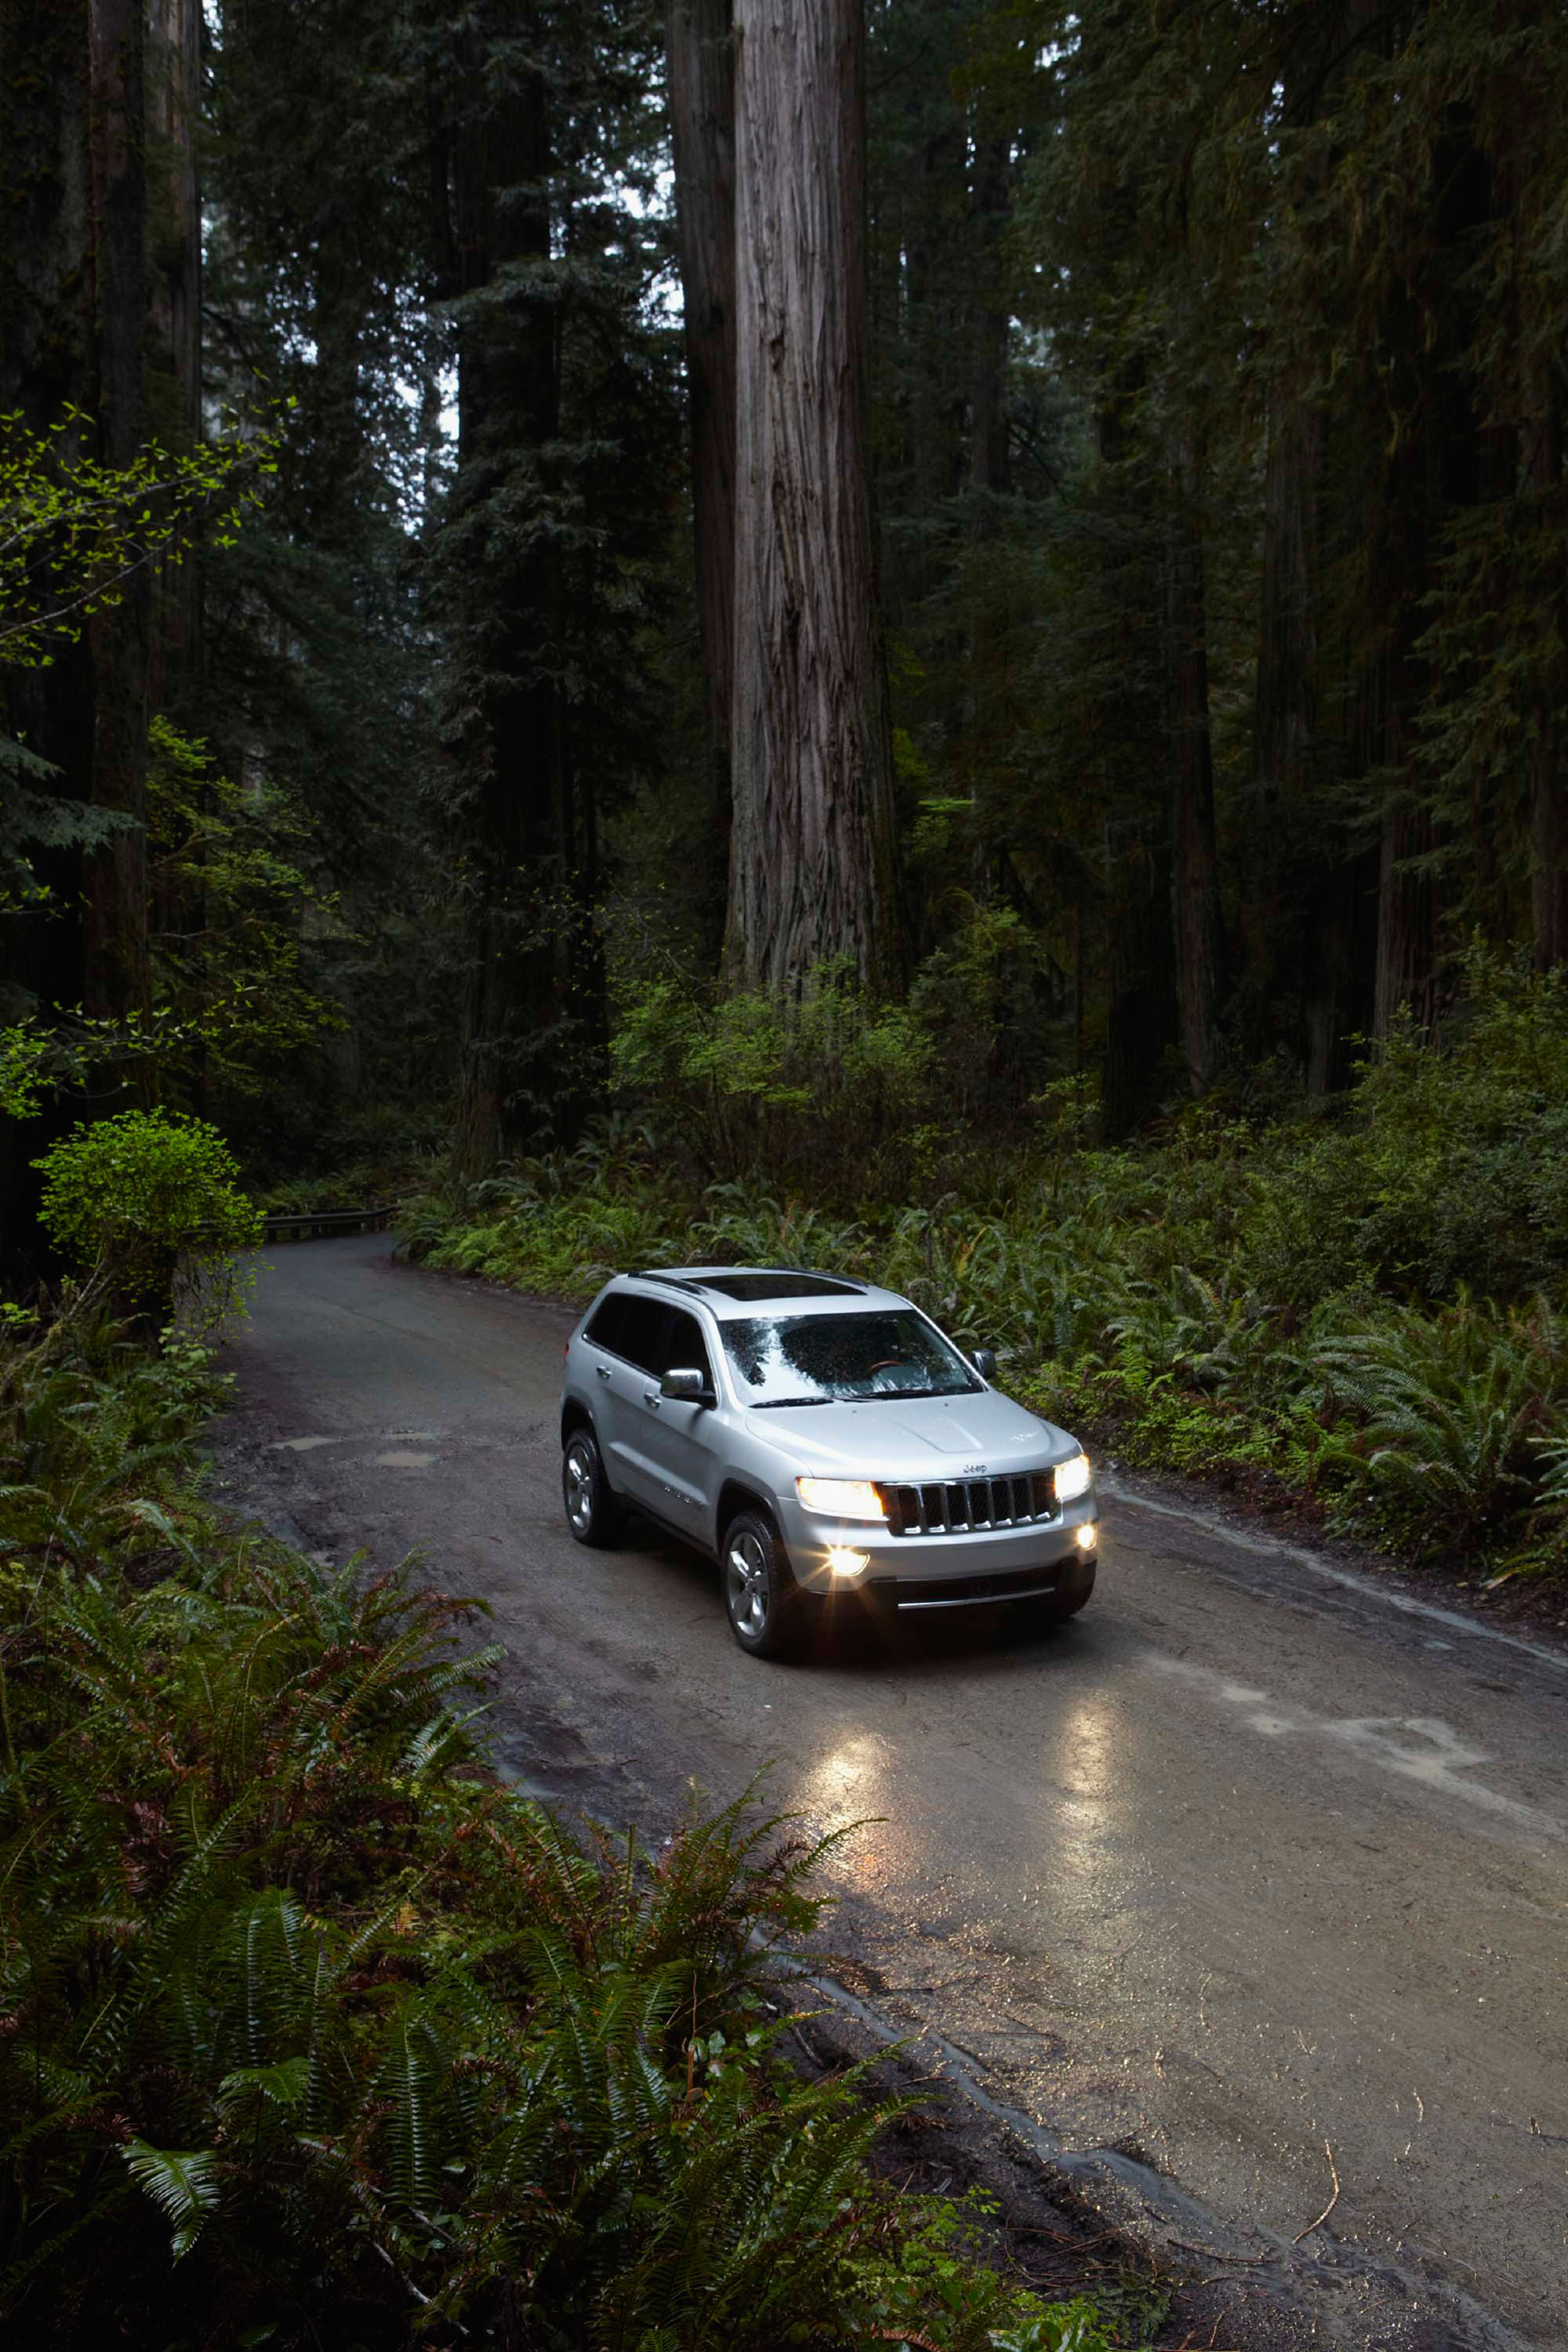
(701, 47)
(1196, 920)
(811, 871)
(1541, 468)
(116, 975)
(992, 208)
(175, 309)
(47, 358)
(531, 992)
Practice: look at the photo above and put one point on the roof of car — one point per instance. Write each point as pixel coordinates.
(733, 1288)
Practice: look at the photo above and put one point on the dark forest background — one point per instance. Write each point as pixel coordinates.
(1212, 363)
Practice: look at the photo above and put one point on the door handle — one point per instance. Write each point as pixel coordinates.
(604, 1371)
(651, 1396)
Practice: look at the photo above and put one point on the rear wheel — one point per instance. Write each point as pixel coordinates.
(593, 1513)
(762, 1598)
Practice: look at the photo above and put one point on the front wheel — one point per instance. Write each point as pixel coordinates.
(761, 1597)
(592, 1512)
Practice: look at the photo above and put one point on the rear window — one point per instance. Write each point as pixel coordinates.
(606, 1326)
(653, 1335)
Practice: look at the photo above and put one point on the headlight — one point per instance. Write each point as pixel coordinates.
(841, 1498)
(1073, 1478)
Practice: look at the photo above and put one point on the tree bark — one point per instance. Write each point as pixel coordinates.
(47, 358)
(1140, 1022)
(72, 318)
(531, 996)
(116, 983)
(1198, 920)
(700, 44)
(1406, 925)
(989, 470)
(174, 311)
(812, 872)
(1541, 467)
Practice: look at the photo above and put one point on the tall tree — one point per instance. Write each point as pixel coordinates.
(72, 316)
(174, 75)
(699, 49)
(812, 872)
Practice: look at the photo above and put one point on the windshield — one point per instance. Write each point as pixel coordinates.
(783, 1360)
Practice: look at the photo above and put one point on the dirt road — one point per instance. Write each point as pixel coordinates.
(1249, 1880)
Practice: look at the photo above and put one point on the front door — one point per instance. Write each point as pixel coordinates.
(677, 1436)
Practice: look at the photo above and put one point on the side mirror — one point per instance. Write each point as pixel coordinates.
(688, 1386)
(984, 1363)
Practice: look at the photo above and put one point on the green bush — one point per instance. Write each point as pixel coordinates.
(1454, 1408)
(827, 1087)
(145, 1196)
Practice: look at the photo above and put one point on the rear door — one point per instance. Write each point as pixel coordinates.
(624, 1326)
(678, 1442)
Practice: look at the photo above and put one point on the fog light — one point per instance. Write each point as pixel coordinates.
(845, 1562)
(1088, 1538)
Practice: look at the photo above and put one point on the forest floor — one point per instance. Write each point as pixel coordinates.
(1242, 1885)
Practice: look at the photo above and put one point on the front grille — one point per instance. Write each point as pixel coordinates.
(956, 1506)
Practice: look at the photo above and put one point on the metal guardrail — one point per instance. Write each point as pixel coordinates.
(318, 1225)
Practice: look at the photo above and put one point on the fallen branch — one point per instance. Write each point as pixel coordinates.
(1329, 2208)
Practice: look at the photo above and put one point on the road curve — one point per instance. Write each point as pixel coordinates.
(1246, 1874)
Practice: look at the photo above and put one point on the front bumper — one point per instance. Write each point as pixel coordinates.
(940, 1570)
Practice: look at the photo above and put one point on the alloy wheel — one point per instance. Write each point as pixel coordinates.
(747, 1584)
(578, 1484)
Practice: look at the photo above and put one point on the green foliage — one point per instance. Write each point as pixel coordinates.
(73, 529)
(815, 1085)
(315, 2034)
(1449, 1167)
(1452, 1408)
(232, 907)
(139, 1195)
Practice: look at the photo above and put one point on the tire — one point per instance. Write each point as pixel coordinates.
(762, 1598)
(1056, 1608)
(593, 1514)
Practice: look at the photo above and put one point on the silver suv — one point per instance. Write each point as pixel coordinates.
(819, 1438)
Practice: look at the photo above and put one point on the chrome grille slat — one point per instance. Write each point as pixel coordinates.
(969, 1506)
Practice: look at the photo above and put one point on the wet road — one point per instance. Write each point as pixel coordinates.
(1250, 1877)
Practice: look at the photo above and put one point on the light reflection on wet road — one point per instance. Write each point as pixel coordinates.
(1242, 1862)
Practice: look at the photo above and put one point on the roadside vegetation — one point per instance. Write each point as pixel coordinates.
(1356, 1305)
(313, 2033)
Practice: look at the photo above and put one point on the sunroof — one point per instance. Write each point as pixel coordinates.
(785, 1285)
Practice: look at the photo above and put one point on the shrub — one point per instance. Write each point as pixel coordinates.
(1454, 1408)
(141, 1196)
(828, 1088)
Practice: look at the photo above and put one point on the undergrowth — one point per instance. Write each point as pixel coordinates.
(311, 2034)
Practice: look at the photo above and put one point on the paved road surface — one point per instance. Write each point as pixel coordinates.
(1246, 1861)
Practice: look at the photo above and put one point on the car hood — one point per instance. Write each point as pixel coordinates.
(920, 1437)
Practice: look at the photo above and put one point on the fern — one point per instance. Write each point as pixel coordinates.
(1454, 1410)
(183, 2184)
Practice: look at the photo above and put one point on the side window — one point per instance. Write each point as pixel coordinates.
(606, 1327)
(684, 1346)
(641, 1336)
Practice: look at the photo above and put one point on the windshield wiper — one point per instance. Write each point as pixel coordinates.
(772, 1404)
(901, 1396)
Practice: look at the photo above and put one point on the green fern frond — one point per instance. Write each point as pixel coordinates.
(183, 2183)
